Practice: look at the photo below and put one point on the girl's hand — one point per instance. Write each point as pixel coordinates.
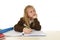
(35, 16)
(27, 30)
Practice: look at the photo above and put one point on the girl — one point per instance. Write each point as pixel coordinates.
(28, 22)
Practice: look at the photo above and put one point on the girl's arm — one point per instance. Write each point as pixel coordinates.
(37, 25)
(19, 26)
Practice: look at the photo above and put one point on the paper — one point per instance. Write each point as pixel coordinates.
(13, 33)
(36, 33)
(33, 33)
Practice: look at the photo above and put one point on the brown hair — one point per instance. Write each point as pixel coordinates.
(26, 19)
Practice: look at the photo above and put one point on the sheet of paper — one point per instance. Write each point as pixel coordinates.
(13, 33)
(33, 33)
(36, 33)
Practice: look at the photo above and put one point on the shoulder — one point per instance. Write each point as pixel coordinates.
(35, 19)
(21, 19)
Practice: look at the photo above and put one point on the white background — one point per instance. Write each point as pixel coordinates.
(48, 13)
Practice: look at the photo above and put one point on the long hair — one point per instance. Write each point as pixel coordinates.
(26, 19)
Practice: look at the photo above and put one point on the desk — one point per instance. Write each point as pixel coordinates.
(51, 35)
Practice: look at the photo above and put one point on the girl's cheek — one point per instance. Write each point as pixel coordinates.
(30, 15)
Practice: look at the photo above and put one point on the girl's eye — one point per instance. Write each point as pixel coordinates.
(34, 10)
(30, 11)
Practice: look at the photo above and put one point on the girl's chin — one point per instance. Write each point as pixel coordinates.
(31, 18)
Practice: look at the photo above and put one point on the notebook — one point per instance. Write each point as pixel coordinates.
(12, 33)
(36, 33)
(17, 34)
(6, 30)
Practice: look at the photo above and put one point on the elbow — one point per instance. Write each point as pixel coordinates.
(38, 28)
(18, 28)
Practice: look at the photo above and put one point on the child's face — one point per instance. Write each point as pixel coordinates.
(31, 12)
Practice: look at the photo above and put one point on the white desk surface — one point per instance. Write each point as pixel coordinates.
(51, 35)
